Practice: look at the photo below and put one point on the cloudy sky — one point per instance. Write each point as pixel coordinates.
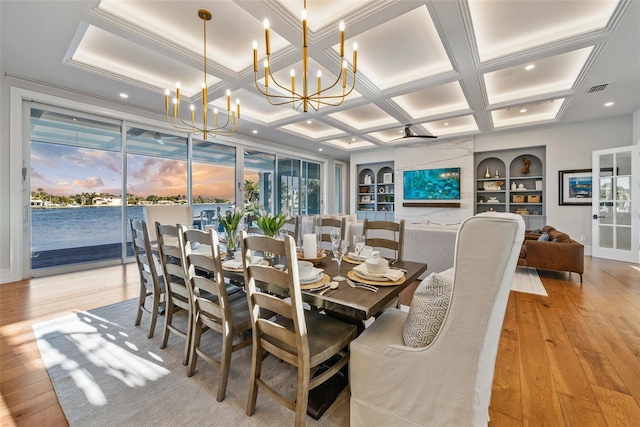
(65, 170)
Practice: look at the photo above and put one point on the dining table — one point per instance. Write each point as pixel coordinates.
(347, 302)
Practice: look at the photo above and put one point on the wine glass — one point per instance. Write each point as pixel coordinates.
(358, 243)
(339, 248)
(335, 235)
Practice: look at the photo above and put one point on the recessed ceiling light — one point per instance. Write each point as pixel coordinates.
(255, 131)
(124, 95)
(446, 123)
(529, 67)
(353, 139)
(308, 122)
(523, 110)
(319, 149)
(608, 104)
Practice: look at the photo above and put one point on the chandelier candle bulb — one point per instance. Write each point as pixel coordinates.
(344, 74)
(166, 99)
(238, 107)
(341, 39)
(193, 114)
(178, 92)
(355, 56)
(266, 73)
(255, 56)
(228, 100)
(319, 86)
(266, 36)
(304, 27)
(215, 117)
(175, 108)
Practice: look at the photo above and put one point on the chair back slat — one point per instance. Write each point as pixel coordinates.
(272, 303)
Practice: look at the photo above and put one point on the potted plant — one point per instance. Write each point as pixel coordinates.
(271, 225)
(230, 224)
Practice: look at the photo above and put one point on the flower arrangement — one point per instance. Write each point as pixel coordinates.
(271, 225)
(230, 224)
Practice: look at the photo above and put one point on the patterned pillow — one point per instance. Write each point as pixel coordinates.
(428, 310)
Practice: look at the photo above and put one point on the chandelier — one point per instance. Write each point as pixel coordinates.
(291, 95)
(231, 125)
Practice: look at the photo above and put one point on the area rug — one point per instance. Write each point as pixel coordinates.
(526, 280)
(106, 372)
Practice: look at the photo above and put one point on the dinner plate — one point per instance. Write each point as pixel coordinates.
(355, 256)
(316, 274)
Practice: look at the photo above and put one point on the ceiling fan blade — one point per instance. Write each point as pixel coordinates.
(421, 136)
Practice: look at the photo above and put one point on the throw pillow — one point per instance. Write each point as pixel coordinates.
(428, 310)
(544, 237)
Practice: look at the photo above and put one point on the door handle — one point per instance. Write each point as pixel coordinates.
(598, 216)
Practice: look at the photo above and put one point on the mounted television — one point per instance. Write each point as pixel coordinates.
(432, 184)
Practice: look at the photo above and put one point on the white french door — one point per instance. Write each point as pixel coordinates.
(616, 203)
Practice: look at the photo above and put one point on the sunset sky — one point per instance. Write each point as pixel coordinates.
(65, 170)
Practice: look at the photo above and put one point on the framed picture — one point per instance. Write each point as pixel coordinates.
(576, 187)
(387, 178)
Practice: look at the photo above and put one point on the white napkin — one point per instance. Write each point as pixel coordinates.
(232, 263)
(392, 274)
(354, 255)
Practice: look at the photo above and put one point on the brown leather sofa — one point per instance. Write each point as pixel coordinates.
(560, 252)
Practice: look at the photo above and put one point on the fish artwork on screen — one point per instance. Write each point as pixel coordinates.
(432, 184)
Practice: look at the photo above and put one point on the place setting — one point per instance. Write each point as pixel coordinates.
(235, 264)
(376, 271)
(360, 251)
(311, 277)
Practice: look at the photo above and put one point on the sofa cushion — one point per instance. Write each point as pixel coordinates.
(428, 310)
(547, 229)
(559, 236)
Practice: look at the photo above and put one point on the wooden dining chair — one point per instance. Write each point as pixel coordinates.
(214, 309)
(292, 227)
(252, 224)
(151, 281)
(385, 235)
(330, 223)
(299, 337)
(178, 294)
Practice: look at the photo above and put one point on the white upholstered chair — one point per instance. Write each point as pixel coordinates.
(448, 382)
(172, 214)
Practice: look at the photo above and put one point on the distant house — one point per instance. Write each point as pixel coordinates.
(107, 201)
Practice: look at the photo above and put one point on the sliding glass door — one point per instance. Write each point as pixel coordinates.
(76, 189)
(156, 173)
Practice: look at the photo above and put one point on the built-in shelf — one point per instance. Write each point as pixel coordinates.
(509, 166)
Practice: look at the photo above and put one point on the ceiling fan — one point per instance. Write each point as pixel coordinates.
(154, 135)
(409, 134)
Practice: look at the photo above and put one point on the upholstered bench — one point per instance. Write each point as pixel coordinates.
(550, 249)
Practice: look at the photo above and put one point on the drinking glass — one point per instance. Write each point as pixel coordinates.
(282, 233)
(358, 244)
(339, 249)
(335, 235)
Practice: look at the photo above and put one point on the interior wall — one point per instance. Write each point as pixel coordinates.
(569, 146)
(435, 155)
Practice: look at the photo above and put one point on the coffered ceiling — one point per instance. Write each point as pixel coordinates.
(451, 68)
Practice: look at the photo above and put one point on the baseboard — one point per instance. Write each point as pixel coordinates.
(5, 276)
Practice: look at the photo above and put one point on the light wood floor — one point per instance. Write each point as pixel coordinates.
(572, 358)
